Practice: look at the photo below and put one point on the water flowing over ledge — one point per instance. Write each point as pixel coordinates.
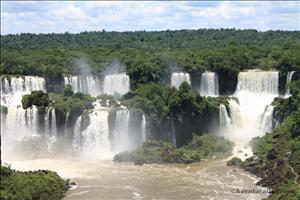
(178, 78)
(112, 84)
(252, 115)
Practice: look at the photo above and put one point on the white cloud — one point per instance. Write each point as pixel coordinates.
(77, 16)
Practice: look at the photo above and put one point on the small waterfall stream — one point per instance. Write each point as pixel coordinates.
(288, 80)
(178, 78)
(209, 85)
(144, 128)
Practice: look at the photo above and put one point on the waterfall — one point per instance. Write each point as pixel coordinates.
(224, 118)
(255, 91)
(85, 84)
(31, 119)
(19, 123)
(267, 119)
(288, 80)
(116, 84)
(77, 140)
(251, 116)
(50, 127)
(256, 82)
(13, 88)
(95, 138)
(173, 136)
(209, 85)
(121, 139)
(53, 123)
(47, 121)
(178, 78)
(143, 128)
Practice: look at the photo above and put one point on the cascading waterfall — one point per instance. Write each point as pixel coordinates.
(77, 140)
(31, 119)
(143, 128)
(173, 135)
(288, 80)
(121, 139)
(66, 129)
(19, 123)
(251, 116)
(13, 88)
(178, 78)
(95, 141)
(50, 122)
(209, 85)
(101, 141)
(267, 119)
(50, 127)
(224, 118)
(53, 123)
(91, 141)
(256, 81)
(85, 84)
(116, 84)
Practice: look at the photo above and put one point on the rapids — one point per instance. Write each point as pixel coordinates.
(108, 180)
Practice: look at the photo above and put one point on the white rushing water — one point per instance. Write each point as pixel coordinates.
(178, 78)
(144, 129)
(224, 118)
(50, 122)
(95, 138)
(85, 84)
(121, 139)
(252, 116)
(288, 80)
(13, 90)
(267, 119)
(116, 84)
(22, 124)
(209, 85)
(98, 140)
(19, 121)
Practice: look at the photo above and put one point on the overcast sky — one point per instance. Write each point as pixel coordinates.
(75, 17)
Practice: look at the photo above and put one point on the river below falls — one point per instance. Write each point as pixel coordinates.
(108, 180)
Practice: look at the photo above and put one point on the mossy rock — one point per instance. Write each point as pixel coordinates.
(234, 162)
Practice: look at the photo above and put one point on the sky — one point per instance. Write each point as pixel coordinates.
(79, 16)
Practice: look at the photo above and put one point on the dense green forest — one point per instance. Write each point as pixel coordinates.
(150, 56)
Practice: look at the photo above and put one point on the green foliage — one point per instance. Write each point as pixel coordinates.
(152, 151)
(261, 146)
(73, 106)
(37, 185)
(36, 98)
(208, 146)
(188, 111)
(68, 90)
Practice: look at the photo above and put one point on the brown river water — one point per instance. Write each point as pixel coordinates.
(210, 179)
